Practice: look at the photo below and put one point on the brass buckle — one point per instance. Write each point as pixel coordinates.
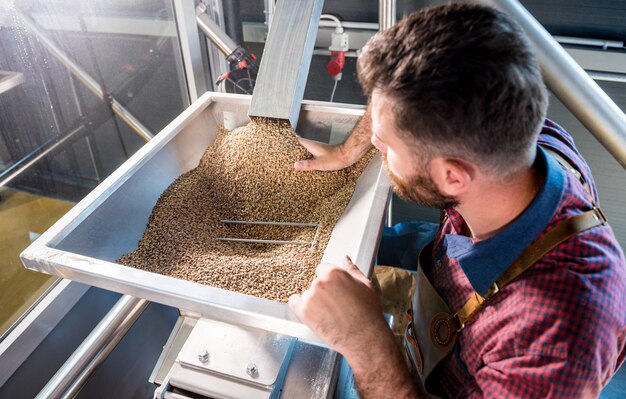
(492, 291)
(461, 324)
(601, 214)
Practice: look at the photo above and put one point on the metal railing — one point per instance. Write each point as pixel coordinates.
(70, 378)
(571, 84)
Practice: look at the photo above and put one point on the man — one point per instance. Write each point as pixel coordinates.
(531, 278)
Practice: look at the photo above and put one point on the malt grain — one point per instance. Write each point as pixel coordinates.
(246, 174)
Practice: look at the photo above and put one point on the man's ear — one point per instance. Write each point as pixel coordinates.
(452, 176)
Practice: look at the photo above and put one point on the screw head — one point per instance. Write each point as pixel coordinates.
(203, 356)
(252, 370)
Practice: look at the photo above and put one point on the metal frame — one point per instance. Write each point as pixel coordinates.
(386, 14)
(214, 32)
(366, 209)
(9, 80)
(216, 58)
(84, 77)
(37, 324)
(191, 48)
(55, 143)
(70, 378)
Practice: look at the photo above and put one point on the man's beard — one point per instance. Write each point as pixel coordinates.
(420, 188)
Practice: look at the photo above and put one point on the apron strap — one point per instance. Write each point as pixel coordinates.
(532, 254)
(571, 169)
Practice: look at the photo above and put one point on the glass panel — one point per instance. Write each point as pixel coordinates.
(72, 74)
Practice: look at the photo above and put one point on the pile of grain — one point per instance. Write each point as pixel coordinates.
(247, 174)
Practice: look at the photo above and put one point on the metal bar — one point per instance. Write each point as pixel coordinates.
(96, 346)
(84, 77)
(215, 58)
(608, 76)
(317, 232)
(571, 84)
(26, 335)
(284, 69)
(130, 120)
(277, 242)
(191, 49)
(373, 26)
(79, 108)
(35, 156)
(582, 41)
(386, 14)
(213, 31)
(390, 211)
(268, 10)
(272, 223)
(9, 80)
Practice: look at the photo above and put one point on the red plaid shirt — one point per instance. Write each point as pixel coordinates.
(559, 330)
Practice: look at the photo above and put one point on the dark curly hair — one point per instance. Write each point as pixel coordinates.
(464, 82)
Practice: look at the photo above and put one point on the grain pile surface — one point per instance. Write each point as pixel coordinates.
(246, 174)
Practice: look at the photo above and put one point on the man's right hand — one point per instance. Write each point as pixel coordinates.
(328, 157)
(325, 156)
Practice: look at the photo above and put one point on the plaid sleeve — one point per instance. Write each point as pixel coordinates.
(536, 376)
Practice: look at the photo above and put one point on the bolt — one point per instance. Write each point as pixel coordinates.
(203, 356)
(252, 370)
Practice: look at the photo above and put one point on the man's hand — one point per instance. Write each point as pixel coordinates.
(327, 157)
(342, 307)
(344, 310)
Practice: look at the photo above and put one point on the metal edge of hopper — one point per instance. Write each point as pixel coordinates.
(215, 303)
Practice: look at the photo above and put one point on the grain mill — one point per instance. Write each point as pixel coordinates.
(225, 344)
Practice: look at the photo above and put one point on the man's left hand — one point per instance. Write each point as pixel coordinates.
(342, 308)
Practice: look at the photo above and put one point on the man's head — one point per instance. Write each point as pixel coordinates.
(459, 87)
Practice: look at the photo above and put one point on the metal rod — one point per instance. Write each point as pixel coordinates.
(386, 14)
(571, 84)
(272, 223)
(34, 156)
(277, 242)
(79, 108)
(9, 80)
(351, 25)
(268, 10)
(582, 41)
(96, 346)
(608, 76)
(84, 77)
(254, 241)
(212, 31)
(390, 211)
(317, 232)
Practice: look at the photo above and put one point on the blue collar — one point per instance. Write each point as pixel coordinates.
(483, 262)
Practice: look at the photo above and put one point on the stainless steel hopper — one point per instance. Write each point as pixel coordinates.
(84, 244)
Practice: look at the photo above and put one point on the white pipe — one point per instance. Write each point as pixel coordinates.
(338, 25)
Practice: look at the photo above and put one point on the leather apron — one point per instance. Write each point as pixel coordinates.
(433, 328)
